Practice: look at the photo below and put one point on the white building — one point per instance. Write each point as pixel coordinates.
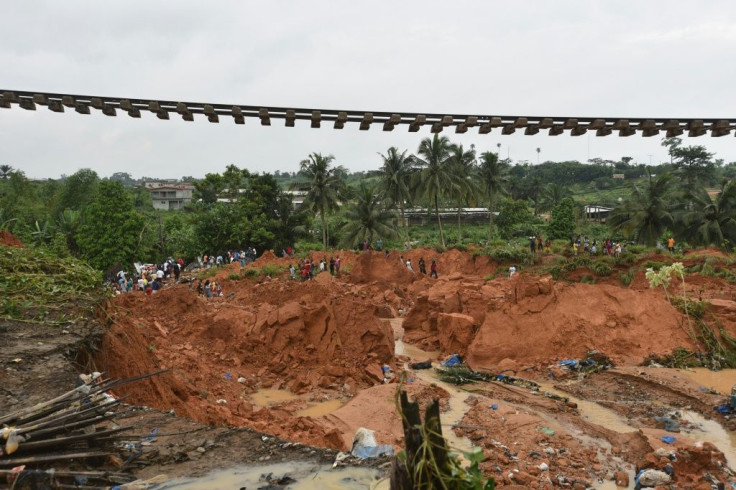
(171, 197)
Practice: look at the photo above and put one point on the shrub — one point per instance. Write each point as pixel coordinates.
(252, 272)
(234, 276)
(627, 277)
(511, 254)
(586, 279)
(601, 268)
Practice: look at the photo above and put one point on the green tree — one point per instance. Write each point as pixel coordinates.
(562, 224)
(436, 177)
(513, 217)
(646, 214)
(5, 171)
(493, 174)
(77, 190)
(367, 217)
(465, 188)
(394, 183)
(552, 194)
(324, 185)
(208, 189)
(694, 163)
(112, 230)
(706, 220)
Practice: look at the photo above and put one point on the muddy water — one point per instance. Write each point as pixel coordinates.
(593, 412)
(308, 476)
(268, 397)
(713, 432)
(721, 381)
(458, 407)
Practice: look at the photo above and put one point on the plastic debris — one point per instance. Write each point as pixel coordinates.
(228, 376)
(724, 409)
(453, 360)
(494, 406)
(546, 430)
(668, 439)
(543, 466)
(365, 445)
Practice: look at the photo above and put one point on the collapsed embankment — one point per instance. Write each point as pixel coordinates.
(326, 340)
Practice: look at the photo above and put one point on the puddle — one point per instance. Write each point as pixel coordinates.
(308, 476)
(592, 412)
(713, 432)
(721, 381)
(267, 396)
(318, 409)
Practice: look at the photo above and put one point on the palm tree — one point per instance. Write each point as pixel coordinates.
(709, 221)
(324, 185)
(436, 177)
(493, 178)
(5, 171)
(367, 216)
(395, 181)
(465, 187)
(552, 194)
(646, 213)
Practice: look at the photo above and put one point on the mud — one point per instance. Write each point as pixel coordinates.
(300, 364)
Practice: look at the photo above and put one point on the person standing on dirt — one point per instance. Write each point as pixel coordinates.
(422, 266)
(433, 269)
(547, 245)
(207, 289)
(539, 243)
(532, 244)
(671, 244)
(337, 265)
(512, 271)
(332, 266)
(408, 266)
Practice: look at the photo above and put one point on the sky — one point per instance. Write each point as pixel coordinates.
(572, 58)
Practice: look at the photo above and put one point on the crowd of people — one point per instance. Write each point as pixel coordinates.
(244, 256)
(308, 268)
(148, 278)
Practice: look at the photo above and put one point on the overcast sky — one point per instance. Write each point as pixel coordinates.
(659, 58)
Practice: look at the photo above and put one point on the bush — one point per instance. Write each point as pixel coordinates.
(601, 268)
(627, 277)
(520, 255)
(234, 276)
(586, 279)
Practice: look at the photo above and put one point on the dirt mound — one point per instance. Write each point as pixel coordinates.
(304, 337)
(534, 320)
(9, 240)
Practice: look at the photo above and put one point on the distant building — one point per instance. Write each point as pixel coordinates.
(597, 213)
(619, 176)
(152, 184)
(168, 197)
(297, 197)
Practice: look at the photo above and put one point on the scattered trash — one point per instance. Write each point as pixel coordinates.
(670, 424)
(494, 406)
(152, 435)
(241, 380)
(543, 466)
(453, 360)
(546, 430)
(365, 445)
(568, 363)
(421, 365)
(222, 401)
(668, 439)
(228, 376)
(724, 409)
(388, 373)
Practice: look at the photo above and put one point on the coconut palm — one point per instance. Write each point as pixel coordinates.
(706, 220)
(394, 182)
(646, 214)
(324, 185)
(367, 217)
(436, 177)
(493, 175)
(5, 171)
(552, 194)
(465, 188)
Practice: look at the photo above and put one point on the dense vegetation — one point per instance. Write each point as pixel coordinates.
(110, 221)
